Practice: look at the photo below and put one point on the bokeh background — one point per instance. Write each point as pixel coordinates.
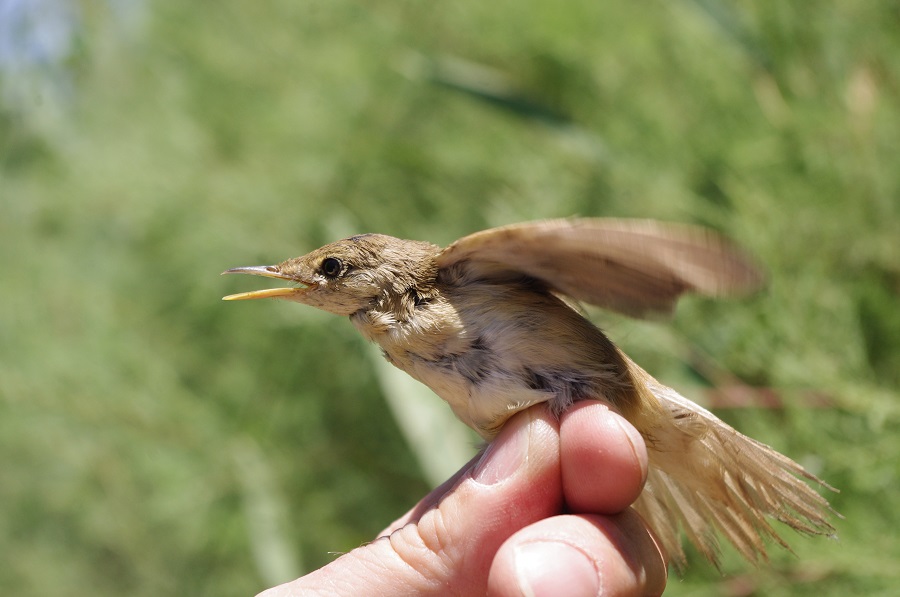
(156, 441)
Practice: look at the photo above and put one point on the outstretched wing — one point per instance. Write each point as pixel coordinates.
(635, 267)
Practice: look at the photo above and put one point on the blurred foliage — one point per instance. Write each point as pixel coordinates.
(156, 441)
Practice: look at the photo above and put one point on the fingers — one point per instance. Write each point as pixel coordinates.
(448, 548)
(603, 459)
(580, 555)
(592, 460)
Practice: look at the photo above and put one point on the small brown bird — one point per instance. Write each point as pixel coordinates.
(486, 324)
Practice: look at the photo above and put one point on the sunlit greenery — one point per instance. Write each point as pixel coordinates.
(156, 441)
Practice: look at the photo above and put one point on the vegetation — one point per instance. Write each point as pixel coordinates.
(157, 441)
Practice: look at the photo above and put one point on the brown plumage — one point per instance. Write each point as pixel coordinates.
(485, 324)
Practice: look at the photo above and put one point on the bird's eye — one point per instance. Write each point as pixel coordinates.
(331, 267)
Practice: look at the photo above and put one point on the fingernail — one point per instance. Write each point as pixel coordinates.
(503, 457)
(635, 439)
(555, 568)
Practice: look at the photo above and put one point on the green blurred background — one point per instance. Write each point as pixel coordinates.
(157, 441)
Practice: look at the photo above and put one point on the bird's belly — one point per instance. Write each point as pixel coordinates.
(492, 350)
(483, 404)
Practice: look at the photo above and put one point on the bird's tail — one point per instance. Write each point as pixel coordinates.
(705, 477)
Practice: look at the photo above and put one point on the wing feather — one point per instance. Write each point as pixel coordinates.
(635, 267)
(706, 477)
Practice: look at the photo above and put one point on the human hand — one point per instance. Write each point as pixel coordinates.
(544, 510)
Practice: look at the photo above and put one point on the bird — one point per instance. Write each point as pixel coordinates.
(494, 324)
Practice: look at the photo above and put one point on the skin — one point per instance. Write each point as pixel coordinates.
(519, 519)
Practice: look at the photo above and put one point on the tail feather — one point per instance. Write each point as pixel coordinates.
(705, 477)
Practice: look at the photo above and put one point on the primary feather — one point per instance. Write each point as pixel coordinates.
(634, 267)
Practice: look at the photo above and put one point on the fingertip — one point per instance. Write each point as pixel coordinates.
(580, 555)
(603, 459)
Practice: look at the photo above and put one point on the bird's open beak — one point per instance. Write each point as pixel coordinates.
(269, 271)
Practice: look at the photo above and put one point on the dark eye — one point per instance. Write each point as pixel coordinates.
(331, 267)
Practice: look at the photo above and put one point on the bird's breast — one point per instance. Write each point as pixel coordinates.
(492, 350)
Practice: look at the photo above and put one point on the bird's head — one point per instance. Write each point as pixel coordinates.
(351, 274)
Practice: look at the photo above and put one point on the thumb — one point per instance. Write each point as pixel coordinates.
(447, 543)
